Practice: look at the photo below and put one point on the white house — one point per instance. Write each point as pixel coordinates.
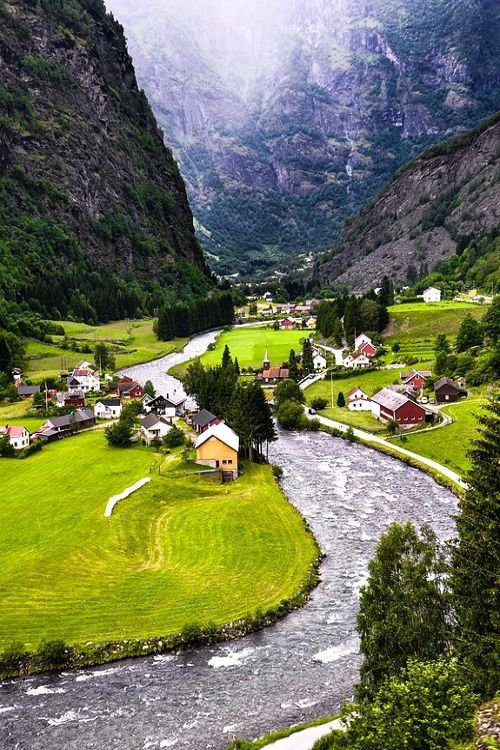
(319, 361)
(431, 294)
(356, 361)
(358, 400)
(19, 437)
(108, 408)
(154, 427)
(361, 339)
(84, 380)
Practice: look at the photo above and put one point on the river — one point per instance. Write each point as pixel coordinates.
(299, 669)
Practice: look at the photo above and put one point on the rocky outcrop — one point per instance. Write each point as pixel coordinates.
(93, 189)
(288, 117)
(449, 194)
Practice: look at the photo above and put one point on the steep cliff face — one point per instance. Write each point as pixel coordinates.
(286, 117)
(448, 195)
(94, 217)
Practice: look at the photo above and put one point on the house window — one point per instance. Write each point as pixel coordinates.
(230, 461)
(224, 461)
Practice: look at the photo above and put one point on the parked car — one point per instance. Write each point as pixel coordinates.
(312, 411)
(424, 400)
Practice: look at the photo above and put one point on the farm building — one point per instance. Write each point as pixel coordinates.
(431, 294)
(218, 447)
(203, 420)
(387, 405)
(368, 349)
(415, 378)
(446, 390)
(287, 324)
(26, 391)
(59, 427)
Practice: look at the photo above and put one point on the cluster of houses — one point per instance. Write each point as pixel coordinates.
(364, 351)
(399, 402)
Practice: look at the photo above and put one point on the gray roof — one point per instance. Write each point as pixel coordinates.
(445, 381)
(203, 418)
(151, 419)
(391, 400)
(109, 402)
(80, 415)
(28, 390)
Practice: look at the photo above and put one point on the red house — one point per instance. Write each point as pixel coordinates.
(389, 404)
(128, 388)
(415, 378)
(287, 324)
(203, 420)
(368, 349)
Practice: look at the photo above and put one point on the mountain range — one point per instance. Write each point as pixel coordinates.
(287, 117)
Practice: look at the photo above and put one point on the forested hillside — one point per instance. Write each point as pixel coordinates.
(94, 218)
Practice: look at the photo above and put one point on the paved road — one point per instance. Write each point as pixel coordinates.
(370, 438)
(305, 739)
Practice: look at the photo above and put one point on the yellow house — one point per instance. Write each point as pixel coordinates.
(218, 447)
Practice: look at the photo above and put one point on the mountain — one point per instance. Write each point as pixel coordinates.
(287, 117)
(429, 212)
(94, 217)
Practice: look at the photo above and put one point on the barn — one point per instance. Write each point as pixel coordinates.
(407, 413)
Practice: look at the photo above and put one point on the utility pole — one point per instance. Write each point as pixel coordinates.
(331, 385)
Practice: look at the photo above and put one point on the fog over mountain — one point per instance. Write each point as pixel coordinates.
(287, 116)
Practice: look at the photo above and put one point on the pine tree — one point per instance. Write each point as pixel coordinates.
(341, 400)
(226, 357)
(476, 559)
(469, 334)
(293, 369)
(149, 388)
(307, 358)
(338, 332)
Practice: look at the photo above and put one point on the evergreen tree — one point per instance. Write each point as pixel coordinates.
(441, 363)
(386, 294)
(236, 366)
(307, 358)
(441, 343)
(338, 332)
(149, 388)
(476, 559)
(469, 334)
(404, 609)
(288, 390)
(250, 417)
(293, 368)
(491, 321)
(226, 358)
(352, 318)
(341, 400)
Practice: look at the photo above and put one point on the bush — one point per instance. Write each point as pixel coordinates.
(277, 471)
(12, 658)
(319, 403)
(53, 654)
(290, 415)
(174, 438)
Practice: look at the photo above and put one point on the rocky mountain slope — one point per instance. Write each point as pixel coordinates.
(286, 117)
(94, 218)
(429, 211)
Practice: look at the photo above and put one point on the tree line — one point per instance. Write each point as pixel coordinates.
(184, 319)
(346, 316)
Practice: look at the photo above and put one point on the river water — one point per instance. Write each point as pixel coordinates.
(299, 669)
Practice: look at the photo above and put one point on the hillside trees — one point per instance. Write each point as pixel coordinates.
(469, 334)
(183, 319)
(476, 559)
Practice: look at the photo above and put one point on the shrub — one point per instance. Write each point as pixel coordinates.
(319, 403)
(341, 400)
(277, 471)
(53, 654)
(174, 438)
(11, 659)
(290, 415)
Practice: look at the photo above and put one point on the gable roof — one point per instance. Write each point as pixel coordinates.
(13, 431)
(221, 432)
(393, 400)
(109, 402)
(445, 381)
(162, 400)
(357, 389)
(203, 418)
(151, 419)
(28, 390)
(411, 374)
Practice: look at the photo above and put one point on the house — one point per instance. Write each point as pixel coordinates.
(88, 379)
(203, 420)
(301, 309)
(267, 311)
(154, 427)
(178, 401)
(59, 427)
(387, 404)
(128, 388)
(415, 378)
(161, 406)
(312, 303)
(311, 323)
(358, 400)
(406, 390)
(84, 364)
(356, 361)
(431, 294)
(27, 391)
(76, 398)
(218, 447)
(17, 375)
(287, 324)
(446, 390)
(368, 349)
(19, 437)
(274, 375)
(108, 408)
(319, 360)
(361, 339)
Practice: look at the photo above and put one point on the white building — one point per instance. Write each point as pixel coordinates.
(319, 361)
(154, 427)
(431, 294)
(358, 400)
(108, 408)
(19, 437)
(84, 380)
(356, 361)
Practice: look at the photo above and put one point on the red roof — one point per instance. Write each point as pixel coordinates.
(368, 347)
(13, 431)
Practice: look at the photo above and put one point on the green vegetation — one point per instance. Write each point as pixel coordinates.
(248, 346)
(262, 742)
(200, 315)
(181, 551)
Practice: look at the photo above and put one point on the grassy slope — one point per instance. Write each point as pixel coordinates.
(182, 550)
(249, 345)
(135, 338)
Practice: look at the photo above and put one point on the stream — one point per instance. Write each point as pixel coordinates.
(299, 669)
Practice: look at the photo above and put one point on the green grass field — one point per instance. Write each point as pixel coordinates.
(180, 551)
(135, 339)
(249, 345)
(414, 326)
(449, 445)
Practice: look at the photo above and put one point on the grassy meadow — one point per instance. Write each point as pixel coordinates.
(249, 345)
(134, 340)
(182, 550)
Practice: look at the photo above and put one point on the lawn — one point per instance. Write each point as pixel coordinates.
(180, 551)
(449, 445)
(134, 339)
(249, 346)
(414, 326)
